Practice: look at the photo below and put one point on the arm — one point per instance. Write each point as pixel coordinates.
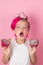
(33, 56)
(33, 59)
(7, 54)
(5, 58)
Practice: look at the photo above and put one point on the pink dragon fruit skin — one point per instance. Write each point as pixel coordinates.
(34, 43)
(5, 43)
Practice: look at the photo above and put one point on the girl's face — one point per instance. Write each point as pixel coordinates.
(21, 29)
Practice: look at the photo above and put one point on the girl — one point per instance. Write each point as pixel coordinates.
(20, 52)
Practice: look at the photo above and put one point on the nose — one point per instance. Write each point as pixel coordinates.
(21, 28)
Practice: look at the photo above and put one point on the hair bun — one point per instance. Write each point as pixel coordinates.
(22, 15)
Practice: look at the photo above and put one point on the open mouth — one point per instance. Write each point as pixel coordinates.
(21, 34)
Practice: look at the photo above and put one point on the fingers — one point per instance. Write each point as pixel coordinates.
(32, 50)
(6, 50)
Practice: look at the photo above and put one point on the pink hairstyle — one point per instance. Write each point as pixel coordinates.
(21, 16)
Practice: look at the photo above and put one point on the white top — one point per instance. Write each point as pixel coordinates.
(20, 53)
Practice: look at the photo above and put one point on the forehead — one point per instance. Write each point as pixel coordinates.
(22, 22)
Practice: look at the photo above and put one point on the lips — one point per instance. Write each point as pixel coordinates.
(21, 34)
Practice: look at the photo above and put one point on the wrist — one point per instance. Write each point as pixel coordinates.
(34, 54)
(6, 56)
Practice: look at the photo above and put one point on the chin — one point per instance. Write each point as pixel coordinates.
(22, 38)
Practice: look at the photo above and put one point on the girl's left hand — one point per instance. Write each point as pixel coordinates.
(32, 50)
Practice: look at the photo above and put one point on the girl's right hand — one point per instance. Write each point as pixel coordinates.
(6, 55)
(7, 51)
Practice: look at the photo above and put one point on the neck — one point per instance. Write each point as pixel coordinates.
(20, 41)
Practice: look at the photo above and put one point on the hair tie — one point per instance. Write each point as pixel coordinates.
(22, 15)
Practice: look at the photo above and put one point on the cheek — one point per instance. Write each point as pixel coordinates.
(17, 32)
(26, 31)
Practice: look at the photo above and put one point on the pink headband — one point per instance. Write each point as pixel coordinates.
(20, 17)
(14, 22)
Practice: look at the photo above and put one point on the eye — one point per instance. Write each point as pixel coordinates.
(24, 27)
(17, 26)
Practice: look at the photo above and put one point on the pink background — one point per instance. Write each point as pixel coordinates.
(34, 10)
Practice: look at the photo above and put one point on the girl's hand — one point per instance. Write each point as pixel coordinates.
(32, 50)
(7, 51)
(33, 56)
(7, 54)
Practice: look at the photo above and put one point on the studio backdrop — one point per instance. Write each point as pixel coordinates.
(34, 10)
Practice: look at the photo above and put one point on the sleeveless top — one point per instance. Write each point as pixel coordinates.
(20, 53)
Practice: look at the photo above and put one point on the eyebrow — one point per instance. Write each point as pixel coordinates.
(20, 25)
